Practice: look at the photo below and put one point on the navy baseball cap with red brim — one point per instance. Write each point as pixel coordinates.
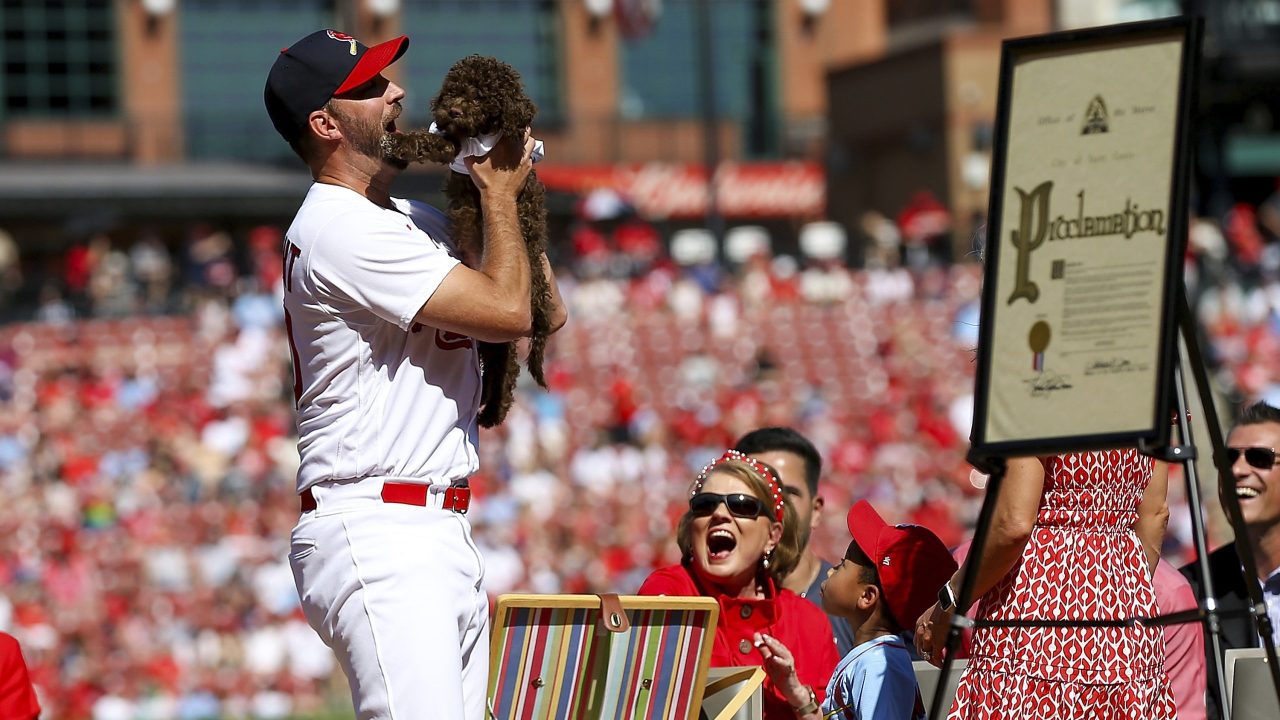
(321, 65)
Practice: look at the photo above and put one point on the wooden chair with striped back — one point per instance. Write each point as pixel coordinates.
(600, 657)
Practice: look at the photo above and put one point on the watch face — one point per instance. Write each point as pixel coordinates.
(944, 598)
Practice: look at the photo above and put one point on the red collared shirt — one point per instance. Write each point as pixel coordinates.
(798, 623)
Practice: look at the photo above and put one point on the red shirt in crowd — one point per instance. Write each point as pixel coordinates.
(17, 696)
(798, 623)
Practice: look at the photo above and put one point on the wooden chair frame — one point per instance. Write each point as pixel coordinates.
(555, 657)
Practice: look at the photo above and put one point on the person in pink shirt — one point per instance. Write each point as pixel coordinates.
(1184, 659)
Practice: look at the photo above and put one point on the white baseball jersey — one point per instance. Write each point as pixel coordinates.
(378, 395)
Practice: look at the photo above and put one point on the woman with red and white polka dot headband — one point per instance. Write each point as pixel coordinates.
(738, 538)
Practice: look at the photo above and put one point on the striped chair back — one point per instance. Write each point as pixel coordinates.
(553, 658)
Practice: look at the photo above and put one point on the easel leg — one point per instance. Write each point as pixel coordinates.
(1190, 475)
(995, 468)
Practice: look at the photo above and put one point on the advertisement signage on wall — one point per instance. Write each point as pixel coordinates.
(669, 190)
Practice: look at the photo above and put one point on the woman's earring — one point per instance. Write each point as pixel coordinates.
(766, 559)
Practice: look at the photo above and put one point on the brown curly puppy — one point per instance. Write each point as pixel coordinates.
(482, 96)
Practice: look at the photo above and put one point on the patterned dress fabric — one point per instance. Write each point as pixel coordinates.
(1083, 562)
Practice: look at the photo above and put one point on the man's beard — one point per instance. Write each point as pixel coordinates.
(370, 140)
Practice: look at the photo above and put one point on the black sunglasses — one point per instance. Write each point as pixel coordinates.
(1259, 457)
(739, 504)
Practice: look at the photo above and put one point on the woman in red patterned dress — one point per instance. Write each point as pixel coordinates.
(1073, 537)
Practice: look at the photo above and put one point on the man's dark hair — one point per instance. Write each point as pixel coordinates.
(1258, 413)
(784, 439)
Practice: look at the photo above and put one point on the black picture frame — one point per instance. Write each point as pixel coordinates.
(1156, 432)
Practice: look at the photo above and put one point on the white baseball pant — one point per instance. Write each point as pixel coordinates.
(395, 591)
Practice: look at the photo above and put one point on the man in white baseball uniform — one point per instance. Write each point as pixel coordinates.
(383, 319)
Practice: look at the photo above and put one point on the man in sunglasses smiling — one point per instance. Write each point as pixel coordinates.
(1251, 450)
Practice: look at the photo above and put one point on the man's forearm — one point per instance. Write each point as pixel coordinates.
(504, 259)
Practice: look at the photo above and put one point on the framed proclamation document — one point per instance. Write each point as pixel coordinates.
(1086, 230)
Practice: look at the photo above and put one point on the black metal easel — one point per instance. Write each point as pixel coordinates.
(1184, 453)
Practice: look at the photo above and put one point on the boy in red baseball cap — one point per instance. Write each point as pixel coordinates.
(889, 576)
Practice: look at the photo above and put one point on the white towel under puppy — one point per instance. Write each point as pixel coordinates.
(479, 146)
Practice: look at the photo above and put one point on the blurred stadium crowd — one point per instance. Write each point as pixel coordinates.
(147, 456)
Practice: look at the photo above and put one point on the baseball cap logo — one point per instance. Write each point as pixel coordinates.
(885, 561)
(342, 37)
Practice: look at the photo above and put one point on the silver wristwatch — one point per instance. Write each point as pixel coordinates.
(946, 597)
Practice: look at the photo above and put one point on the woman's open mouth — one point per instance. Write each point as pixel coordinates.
(721, 544)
